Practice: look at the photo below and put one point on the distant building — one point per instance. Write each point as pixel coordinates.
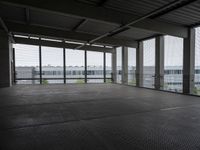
(173, 75)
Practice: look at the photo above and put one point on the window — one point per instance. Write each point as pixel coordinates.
(119, 64)
(52, 65)
(196, 89)
(108, 67)
(75, 66)
(173, 64)
(131, 66)
(95, 67)
(149, 63)
(27, 64)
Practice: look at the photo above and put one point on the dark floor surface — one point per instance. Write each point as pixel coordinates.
(97, 117)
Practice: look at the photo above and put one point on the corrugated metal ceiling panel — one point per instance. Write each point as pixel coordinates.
(96, 28)
(136, 7)
(59, 21)
(187, 15)
(136, 34)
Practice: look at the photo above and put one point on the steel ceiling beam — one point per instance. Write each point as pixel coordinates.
(5, 28)
(68, 35)
(19, 40)
(127, 25)
(80, 24)
(27, 15)
(4, 25)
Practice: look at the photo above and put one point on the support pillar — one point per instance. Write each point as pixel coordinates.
(64, 65)
(104, 67)
(189, 62)
(5, 60)
(85, 66)
(40, 59)
(139, 65)
(114, 66)
(159, 63)
(124, 65)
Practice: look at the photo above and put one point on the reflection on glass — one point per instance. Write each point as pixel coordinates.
(108, 67)
(75, 66)
(52, 65)
(119, 65)
(149, 63)
(27, 64)
(196, 89)
(131, 66)
(173, 64)
(95, 67)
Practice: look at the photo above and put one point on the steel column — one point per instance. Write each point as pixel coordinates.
(189, 63)
(85, 66)
(159, 63)
(64, 65)
(40, 62)
(139, 65)
(124, 65)
(104, 67)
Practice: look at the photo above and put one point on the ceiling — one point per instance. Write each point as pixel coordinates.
(89, 19)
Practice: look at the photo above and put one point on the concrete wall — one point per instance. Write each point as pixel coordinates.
(5, 60)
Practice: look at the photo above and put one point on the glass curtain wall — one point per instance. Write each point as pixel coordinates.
(52, 65)
(27, 64)
(108, 67)
(196, 89)
(131, 66)
(119, 64)
(173, 64)
(95, 71)
(75, 66)
(149, 63)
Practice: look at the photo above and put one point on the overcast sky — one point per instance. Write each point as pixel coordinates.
(27, 55)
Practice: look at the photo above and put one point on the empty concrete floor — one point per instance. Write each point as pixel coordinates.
(97, 117)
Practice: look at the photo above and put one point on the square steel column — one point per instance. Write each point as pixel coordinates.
(124, 65)
(85, 66)
(139, 65)
(159, 63)
(114, 66)
(5, 60)
(40, 61)
(104, 67)
(189, 62)
(64, 65)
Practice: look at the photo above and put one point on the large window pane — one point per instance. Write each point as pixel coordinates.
(52, 65)
(131, 66)
(149, 63)
(173, 74)
(75, 66)
(119, 64)
(94, 67)
(108, 67)
(197, 62)
(27, 64)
